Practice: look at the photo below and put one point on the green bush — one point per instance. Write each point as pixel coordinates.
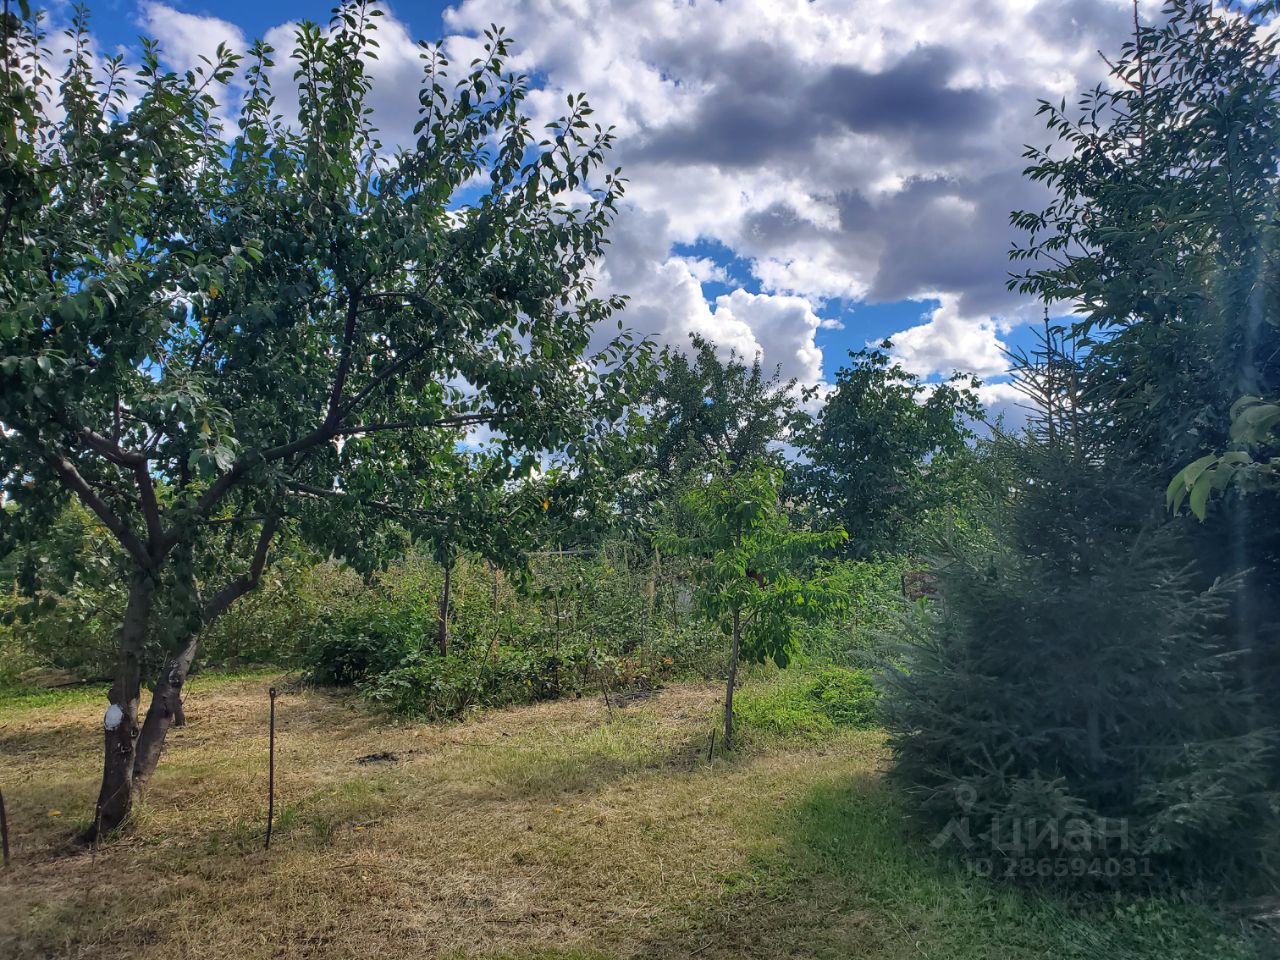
(73, 633)
(619, 617)
(695, 650)
(873, 592)
(279, 622)
(847, 697)
(370, 641)
(15, 658)
(572, 625)
(431, 687)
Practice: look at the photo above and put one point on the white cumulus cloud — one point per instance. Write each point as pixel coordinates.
(839, 150)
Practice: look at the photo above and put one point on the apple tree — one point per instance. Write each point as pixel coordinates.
(216, 338)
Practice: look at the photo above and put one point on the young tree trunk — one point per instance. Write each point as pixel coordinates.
(733, 679)
(120, 723)
(164, 712)
(442, 623)
(166, 700)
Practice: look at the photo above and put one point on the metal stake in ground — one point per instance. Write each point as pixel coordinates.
(4, 829)
(271, 767)
(604, 688)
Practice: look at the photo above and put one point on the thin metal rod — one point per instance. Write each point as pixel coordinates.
(271, 768)
(4, 829)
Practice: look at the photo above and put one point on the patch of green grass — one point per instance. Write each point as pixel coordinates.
(352, 804)
(807, 703)
(316, 818)
(853, 842)
(553, 953)
(25, 697)
(563, 831)
(22, 697)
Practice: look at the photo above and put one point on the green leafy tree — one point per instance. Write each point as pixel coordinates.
(459, 502)
(887, 449)
(1163, 236)
(603, 489)
(700, 412)
(213, 341)
(1163, 233)
(707, 412)
(66, 595)
(1251, 467)
(755, 576)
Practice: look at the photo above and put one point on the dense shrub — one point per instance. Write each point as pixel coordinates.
(847, 697)
(433, 687)
(873, 592)
(694, 649)
(575, 623)
(72, 633)
(295, 609)
(15, 658)
(371, 641)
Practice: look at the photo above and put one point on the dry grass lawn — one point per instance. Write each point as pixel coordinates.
(547, 831)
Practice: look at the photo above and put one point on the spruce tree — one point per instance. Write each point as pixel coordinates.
(1068, 705)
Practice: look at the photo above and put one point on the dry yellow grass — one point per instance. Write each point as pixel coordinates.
(547, 831)
(545, 828)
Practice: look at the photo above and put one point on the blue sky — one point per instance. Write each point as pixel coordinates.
(121, 22)
(805, 176)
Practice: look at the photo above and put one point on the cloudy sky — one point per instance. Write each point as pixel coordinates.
(805, 177)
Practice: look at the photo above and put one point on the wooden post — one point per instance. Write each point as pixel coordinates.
(604, 688)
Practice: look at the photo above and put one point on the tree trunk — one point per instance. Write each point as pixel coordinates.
(166, 700)
(442, 623)
(120, 723)
(733, 679)
(164, 712)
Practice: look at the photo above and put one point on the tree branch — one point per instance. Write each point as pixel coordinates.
(396, 509)
(109, 448)
(383, 375)
(224, 521)
(237, 588)
(409, 295)
(313, 491)
(326, 431)
(458, 420)
(76, 483)
(150, 508)
(332, 416)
